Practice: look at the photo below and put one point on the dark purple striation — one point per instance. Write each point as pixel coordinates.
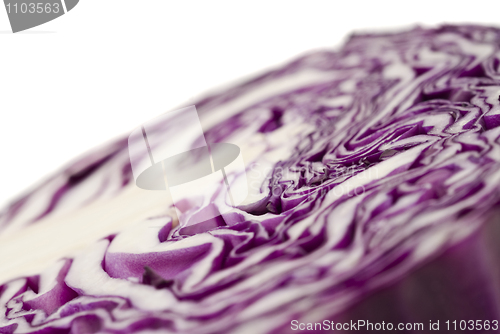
(385, 207)
(66, 182)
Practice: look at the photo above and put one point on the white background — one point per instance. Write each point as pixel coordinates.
(109, 65)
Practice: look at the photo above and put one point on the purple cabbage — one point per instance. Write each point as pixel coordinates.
(377, 182)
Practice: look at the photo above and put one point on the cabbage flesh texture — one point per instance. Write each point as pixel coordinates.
(376, 176)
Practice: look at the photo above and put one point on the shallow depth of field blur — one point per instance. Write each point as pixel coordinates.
(94, 74)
